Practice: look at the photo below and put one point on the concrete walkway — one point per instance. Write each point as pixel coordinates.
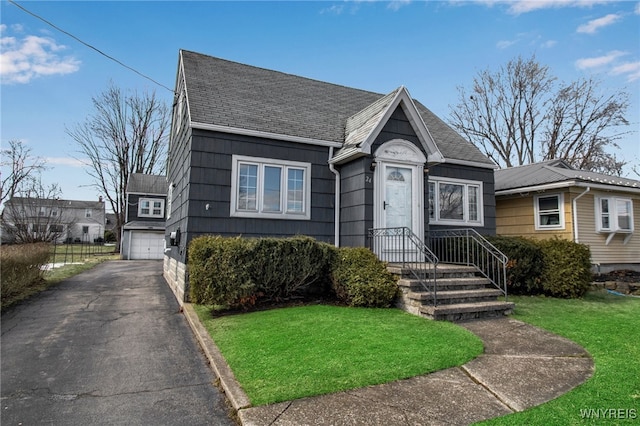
(522, 366)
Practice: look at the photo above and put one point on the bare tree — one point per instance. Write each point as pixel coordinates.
(21, 166)
(127, 133)
(35, 214)
(520, 114)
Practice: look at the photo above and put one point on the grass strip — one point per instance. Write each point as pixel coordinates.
(290, 353)
(608, 327)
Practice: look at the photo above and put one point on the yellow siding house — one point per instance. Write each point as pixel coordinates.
(550, 199)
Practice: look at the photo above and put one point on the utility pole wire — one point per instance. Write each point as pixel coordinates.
(91, 47)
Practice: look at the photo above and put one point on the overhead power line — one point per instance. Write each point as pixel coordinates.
(90, 46)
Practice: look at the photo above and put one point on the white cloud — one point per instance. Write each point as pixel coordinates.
(637, 10)
(32, 56)
(503, 44)
(524, 6)
(598, 61)
(397, 4)
(630, 69)
(548, 44)
(594, 25)
(335, 9)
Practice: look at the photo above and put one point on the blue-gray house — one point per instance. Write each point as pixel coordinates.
(256, 152)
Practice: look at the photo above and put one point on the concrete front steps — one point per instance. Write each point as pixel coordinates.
(461, 295)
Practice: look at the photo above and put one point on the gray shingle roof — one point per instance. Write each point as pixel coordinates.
(225, 93)
(553, 171)
(43, 202)
(140, 183)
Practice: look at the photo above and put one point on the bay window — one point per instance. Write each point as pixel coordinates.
(614, 214)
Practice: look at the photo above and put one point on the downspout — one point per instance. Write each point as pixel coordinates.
(575, 214)
(336, 231)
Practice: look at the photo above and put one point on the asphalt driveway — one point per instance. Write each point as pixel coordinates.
(108, 346)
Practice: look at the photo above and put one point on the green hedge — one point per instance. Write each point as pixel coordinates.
(21, 267)
(239, 271)
(360, 279)
(218, 271)
(526, 264)
(554, 267)
(283, 267)
(567, 268)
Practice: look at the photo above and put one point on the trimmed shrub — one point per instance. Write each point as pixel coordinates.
(219, 272)
(21, 267)
(567, 268)
(285, 267)
(238, 272)
(359, 278)
(526, 264)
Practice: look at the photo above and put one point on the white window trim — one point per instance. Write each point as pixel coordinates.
(536, 210)
(613, 215)
(151, 201)
(262, 163)
(465, 183)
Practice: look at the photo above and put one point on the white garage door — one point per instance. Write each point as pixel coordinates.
(147, 245)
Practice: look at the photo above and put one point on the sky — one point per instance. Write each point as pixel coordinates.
(48, 78)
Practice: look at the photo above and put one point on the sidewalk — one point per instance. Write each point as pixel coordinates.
(522, 366)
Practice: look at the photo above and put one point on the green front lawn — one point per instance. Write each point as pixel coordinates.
(609, 328)
(284, 354)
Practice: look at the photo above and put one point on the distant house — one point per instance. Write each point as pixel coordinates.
(143, 232)
(69, 221)
(256, 152)
(551, 199)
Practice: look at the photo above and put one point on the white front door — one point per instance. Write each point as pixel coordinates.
(397, 206)
(398, 201)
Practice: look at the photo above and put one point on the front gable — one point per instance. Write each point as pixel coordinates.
(364, 127)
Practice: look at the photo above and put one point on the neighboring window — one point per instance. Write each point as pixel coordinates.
(56, 229)
(39, 228)
(549, 211)
(454, 201)
(151, 207)
(87, 213)
(263, 187)
(54, 212)
(85, 229)
(42, 212)
(614, 214)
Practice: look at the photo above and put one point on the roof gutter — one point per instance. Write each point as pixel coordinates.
(336, 204)
(575, 214)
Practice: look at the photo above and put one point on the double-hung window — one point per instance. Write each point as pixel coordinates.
(549, 211)
(454, 201)
(278, 189)
(151, 207)
(614, 215)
